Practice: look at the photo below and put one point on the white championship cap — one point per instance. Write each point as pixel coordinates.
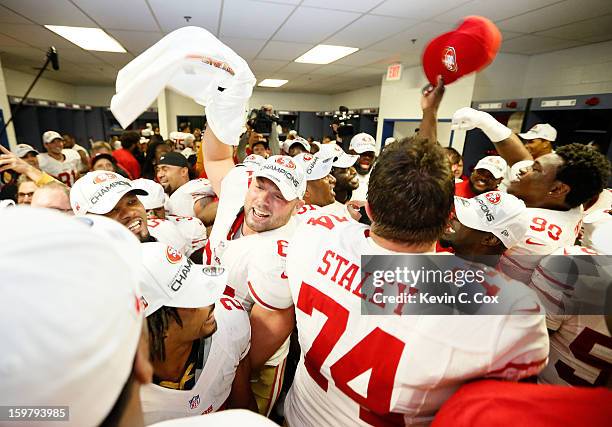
(99, 191)
(6, 203)
(389, 140)
(362, 143)
(315, 166)
(341, 159)
(50, 136)
(541, 130)
(169, 278)
(297, 140)
(156, 196)
(495, 212)
(286, 174)
(22, 149)
(254, 160)
(494, 164)
(70, 327)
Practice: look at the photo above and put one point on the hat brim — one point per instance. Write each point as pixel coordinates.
(494, 171)
(529, 135)
(363, 149)
(288, 193)
(346, 160)
(201, 289)
(466, 213)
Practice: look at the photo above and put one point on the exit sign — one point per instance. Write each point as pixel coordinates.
(394, 72)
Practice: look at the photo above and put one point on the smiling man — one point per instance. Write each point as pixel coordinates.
(365, 146)
(553, 189)
(487, 175)
(58, 162)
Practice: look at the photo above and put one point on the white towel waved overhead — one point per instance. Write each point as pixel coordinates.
(194, 63)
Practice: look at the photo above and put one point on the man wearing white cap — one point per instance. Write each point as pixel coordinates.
(359, 369)
(539, 139)
(28, 153)
(486, 176)
(110, 194)
(187, 234)
(486, 224)
(295, 146)
(553, 188)
(92, 329)
(198, 339)
(365, 146)
(190, 198)
(58, 162)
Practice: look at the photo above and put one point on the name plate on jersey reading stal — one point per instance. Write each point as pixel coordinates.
(449, 285)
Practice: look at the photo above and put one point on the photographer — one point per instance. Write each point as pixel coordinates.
(342, 129)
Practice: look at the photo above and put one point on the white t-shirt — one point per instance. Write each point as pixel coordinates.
(362, 191)
(186, 234)
(356, 369)
(230, 344)
(596, 216)
(581, 346)
(180, 203)
(67, 171)
(548, 231)
(256, 263)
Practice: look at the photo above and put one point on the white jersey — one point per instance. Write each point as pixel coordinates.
(231, 417)
(337, 208)
(580, 346)
(67, 171)
(361, 192)
(388, 370)
(230, 344)
(180, 203)
(186, 234)
(548, 231)
(256, 263)
(595, 217)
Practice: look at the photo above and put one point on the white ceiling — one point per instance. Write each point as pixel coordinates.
(270, 34)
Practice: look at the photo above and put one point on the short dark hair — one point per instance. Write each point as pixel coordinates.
(453, 155)
(129, 139)
(585, 170)
(158, 326)
(411, 191)
(264, 143)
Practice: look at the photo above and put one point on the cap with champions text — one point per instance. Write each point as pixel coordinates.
(541, 130)
(22, 149)
(254, 160)
(362, 143)
(169, 278)
(156, 197)
(286, 174)
(98, 192)
(494, 164)
(297, 140)
(341, 158)
(78, 313)
(495, 212)
(316, 166)
(50, 136)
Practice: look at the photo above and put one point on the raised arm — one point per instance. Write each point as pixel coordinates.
(10, 161)
(217, 159)
(507, 144)
(430, 102)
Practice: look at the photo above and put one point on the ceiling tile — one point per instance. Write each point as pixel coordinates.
(348, 5)
(53, 12)
(421, 34)
(266, 65)
(136, 41)
(415, 9)
(529, 45)
(583, 30)
(297, 28)
(284, 50)
(77, 55)
(170, 14)
(35, 35)
(332, 69)
(494, 10)
(258, 20)
(298, 67)
(368, 30)
(363, 57)
(9, 17)
(105, 14)
(116, 59)
(363, 72)
(247, 48)
(26, 52)
(556, 15)
(6, 41)
(507, 35)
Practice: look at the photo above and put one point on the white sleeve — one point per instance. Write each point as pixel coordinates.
(267, 281)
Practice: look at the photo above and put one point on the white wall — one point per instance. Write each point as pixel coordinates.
(401, 100)
(504, 78)
(18, 82)
(6, 110)
(367, 97)
(99, 96)
(292, 101)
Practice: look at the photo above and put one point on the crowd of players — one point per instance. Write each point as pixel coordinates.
(243, 286)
